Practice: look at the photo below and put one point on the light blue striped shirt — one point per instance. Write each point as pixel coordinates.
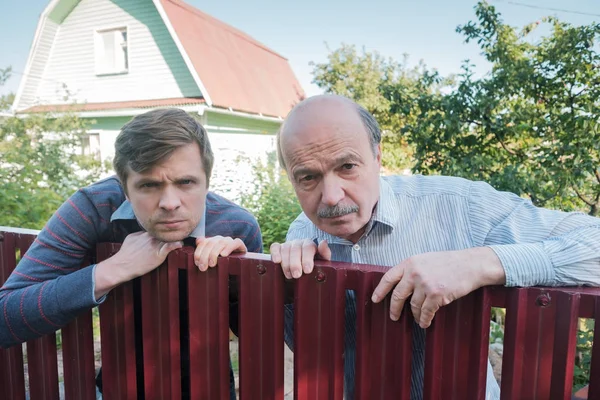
(419, 214)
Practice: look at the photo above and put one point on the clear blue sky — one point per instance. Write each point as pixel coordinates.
(423, 29)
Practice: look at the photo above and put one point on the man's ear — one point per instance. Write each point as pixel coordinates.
(378, 156)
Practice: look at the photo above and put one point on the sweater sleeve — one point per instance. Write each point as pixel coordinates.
(49, 287)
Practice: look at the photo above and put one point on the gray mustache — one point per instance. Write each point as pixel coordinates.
(337, 211)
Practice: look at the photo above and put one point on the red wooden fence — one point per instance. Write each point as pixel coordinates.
(538, 359)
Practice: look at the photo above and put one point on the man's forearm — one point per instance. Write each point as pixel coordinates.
(487, 265)
(106, 278)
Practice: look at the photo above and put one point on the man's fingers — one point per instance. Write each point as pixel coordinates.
(388, 281)
(308, 256)
(275, 251)
(295, 257)
(295, 261)
(285, 260)
(213, 256)
(416, 303)
(430, 307)
(202, 254)
(402, 291)
(167, 247)
(235, 245)
(324, 250)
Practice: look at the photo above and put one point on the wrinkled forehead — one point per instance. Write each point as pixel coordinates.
(320, 120)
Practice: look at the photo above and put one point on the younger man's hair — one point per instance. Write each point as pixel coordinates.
(149, 138)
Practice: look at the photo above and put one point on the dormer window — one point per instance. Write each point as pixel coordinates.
(111, 51)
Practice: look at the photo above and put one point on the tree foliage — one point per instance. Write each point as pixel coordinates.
(374, 82)
(529, 126)
(41, 165)
(272, 201)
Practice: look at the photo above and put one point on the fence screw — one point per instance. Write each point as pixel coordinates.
(261, 269)
(543, 300)
(321, 277)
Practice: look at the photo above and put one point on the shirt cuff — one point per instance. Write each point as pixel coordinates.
(525, 264)
(101, 299)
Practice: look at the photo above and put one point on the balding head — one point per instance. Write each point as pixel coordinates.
(327, 107)
(329, 147)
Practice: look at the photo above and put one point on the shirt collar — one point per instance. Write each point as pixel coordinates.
(385, 213)
(125, 212)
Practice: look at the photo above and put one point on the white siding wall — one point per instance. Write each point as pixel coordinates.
(156, 68)
(235, 155)
(36, 70)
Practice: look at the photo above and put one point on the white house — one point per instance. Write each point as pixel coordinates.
(109, 60)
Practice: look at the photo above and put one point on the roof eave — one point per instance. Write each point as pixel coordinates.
(36, 38)
(121, 112)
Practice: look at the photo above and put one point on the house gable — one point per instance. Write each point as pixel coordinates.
(156, 68)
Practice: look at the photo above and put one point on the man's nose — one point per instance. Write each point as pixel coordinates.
(169, 199)
(332, 191)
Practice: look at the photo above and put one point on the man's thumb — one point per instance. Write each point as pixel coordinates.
(169, 247)
(324, 250)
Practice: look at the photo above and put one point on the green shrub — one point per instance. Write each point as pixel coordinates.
(272, 201)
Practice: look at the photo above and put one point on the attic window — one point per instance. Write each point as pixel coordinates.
(111, 51)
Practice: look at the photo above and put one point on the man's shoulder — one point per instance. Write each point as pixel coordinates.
(428, 185)
(218, 208)
(105, 193)
(110, 186)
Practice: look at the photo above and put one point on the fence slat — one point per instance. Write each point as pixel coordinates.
(43, 368)
(384, 347)
(208, 316)
(514, 339)
(565, 340)
(539, 340)
(261, 330)
(319, 304)
(117, 331)
(478, 357)
(434, 350)
(453, 349)
(78, 358)
(594, 389)
(12, 375)
(160, 315)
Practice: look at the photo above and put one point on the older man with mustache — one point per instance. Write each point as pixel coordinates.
(442, 237)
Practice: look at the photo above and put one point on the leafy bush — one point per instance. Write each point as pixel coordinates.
(583, 355)
(272, 201)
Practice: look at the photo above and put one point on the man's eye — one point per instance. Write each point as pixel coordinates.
(307, 178)
(148, 185)
(186, 182)
(348, 166)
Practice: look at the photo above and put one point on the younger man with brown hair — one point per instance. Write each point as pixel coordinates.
(163, 160)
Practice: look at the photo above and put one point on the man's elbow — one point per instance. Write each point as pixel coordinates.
(6, 340)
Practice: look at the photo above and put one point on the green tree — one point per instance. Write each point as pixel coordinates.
(41, 164)
(531, 126)
(375, 82)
